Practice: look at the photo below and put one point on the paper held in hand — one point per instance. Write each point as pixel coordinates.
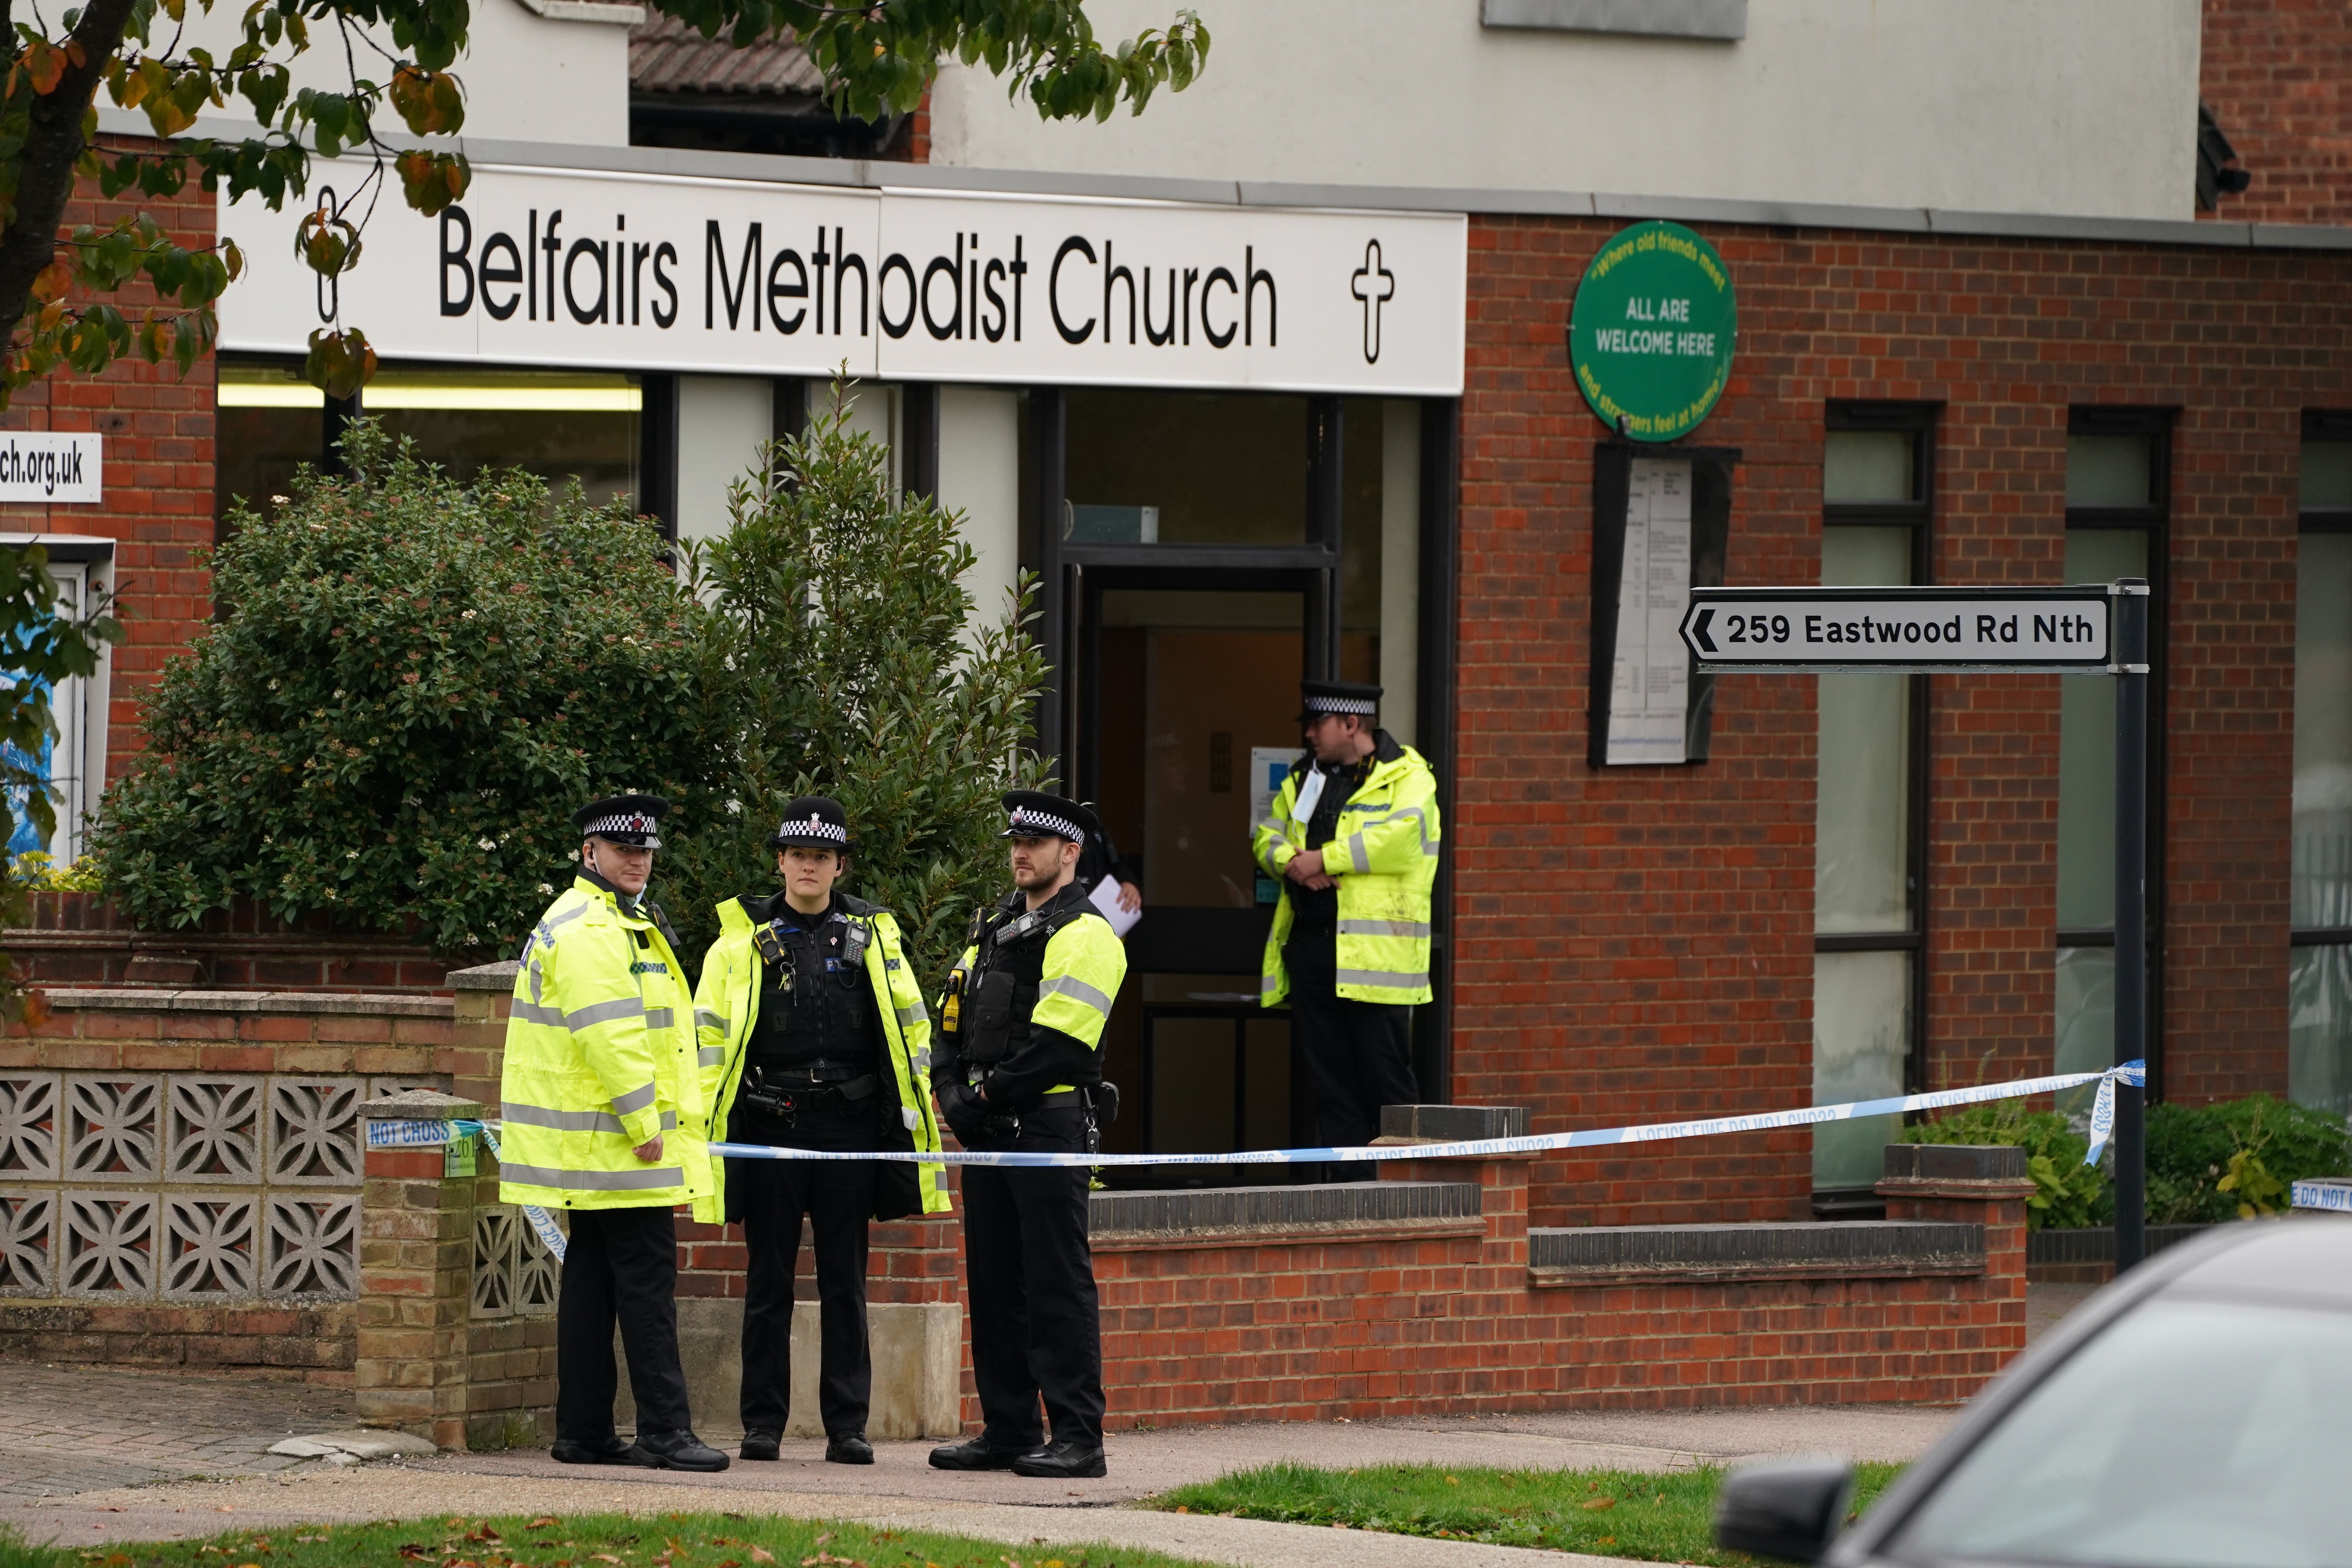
(1105, 899)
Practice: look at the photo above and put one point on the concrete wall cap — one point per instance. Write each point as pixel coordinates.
(421, 1105)
(498, 977)
(132, 999)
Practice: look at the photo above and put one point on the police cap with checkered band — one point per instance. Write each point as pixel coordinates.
(813, 822)
(631, 819)
(1033, 814)
(1320, 698)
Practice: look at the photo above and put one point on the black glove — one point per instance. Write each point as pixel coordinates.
(964, 1110)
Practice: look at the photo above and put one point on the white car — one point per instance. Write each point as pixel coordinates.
(2195, 1414)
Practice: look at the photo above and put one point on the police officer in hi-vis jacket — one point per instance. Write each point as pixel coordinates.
(603, 1110)
(812, 1036)
(1019, 1067)
(1353, 838)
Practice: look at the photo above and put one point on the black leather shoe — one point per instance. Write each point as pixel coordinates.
(1062, 1461)
(979, 1454)
(680, 1451)
(611, 1452)
(849, 1448)
(760, 1444)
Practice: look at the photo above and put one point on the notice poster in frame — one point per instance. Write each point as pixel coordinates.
(1662, 522)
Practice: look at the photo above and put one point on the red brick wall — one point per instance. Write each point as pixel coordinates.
(2278, 76)
(158, 482)
(1639, 945)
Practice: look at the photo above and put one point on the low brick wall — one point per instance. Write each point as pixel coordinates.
(81, 940)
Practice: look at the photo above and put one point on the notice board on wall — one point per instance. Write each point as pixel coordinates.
(1661, 524)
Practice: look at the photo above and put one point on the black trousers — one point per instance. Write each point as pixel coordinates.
(620, 1266)
(837, 1196)
(1036, 1329)
(1353, 1056)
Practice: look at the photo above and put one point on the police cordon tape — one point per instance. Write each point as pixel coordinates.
(398, 1134)
(2103, 1122)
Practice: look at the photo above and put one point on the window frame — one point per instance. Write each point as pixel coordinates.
(1917, 516)
(2154, 516)
(2333, 426)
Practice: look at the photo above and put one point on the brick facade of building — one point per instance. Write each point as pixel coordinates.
(1637, 944)
(2273, 72)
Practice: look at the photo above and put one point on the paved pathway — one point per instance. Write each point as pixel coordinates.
(78, 1428)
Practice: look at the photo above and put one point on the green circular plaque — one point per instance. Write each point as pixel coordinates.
(1652, 332)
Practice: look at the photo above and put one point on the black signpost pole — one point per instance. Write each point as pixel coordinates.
(2129, 651)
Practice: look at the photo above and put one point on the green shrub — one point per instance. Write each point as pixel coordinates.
(838, 658)
(413, 685)
(2067, 1193)
(2208, 1163)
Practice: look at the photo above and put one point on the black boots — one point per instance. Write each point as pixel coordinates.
(977, 1454)
(760, 1444)
(849, 1448)
(611, 1452)
(1065, 1460)
(678, 1451)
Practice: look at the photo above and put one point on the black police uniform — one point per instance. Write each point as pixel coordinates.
(812, 1079)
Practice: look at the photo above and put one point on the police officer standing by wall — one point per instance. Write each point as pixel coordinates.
(813, 1036)
(1353, 838)
(1019, 1069)
(602, 1107)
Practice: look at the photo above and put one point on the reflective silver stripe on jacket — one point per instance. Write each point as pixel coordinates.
(636, 1100)
(704, 1018)
(660, 1018)
(710, 1056)
(1267, 984)
(914, 1014)
(532, 1013)
(1384, 927)
(1420, 820)
(597, 1013)
(646, 1180)
(1077, 990)
(575, 1120)
(1382, 977)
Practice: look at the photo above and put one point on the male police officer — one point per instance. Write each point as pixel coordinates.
(814, 1037)
(1021, 1026)
(602, 1108)
(1353, 838)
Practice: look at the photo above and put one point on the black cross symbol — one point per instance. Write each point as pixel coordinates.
(1373, 294)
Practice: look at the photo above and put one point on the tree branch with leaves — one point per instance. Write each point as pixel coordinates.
(877, 59)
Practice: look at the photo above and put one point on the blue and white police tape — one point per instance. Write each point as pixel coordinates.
(2330, 1193)
(423, 1134)
(2103, 1120)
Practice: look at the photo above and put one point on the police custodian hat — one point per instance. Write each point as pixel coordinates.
(1318, 697)
(1033, 814)
(632, 819)
(813, 822)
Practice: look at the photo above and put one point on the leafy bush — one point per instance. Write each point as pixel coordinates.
(412, 686)
(2236, 1160)
(836, 660)
(2067, 1193)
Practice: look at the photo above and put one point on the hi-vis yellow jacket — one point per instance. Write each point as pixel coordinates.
(1385, 859)
(727, 1006)
(599, 1058)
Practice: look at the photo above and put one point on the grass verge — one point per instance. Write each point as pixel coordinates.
(584, 1541)
(1609, 1513)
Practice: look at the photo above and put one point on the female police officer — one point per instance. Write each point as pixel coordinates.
(812, 1036)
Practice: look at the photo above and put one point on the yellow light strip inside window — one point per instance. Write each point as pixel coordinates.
(242, 388)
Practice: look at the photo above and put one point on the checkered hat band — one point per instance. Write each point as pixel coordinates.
(621, 822)
(815, 828)
(1340, 705)
(1034, 823)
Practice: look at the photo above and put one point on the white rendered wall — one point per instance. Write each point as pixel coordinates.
(526, 77)
(722, 421)
(980, 475)
(2073, 107)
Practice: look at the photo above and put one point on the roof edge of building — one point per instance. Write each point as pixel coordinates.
(876, 173)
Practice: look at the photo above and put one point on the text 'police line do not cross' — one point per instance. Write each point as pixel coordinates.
(2087, 629)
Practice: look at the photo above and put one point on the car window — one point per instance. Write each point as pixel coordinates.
(2190, 1434)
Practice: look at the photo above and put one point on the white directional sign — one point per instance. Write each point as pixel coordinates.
(1900, 628)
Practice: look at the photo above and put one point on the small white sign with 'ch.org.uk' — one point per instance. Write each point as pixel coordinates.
(52, 465)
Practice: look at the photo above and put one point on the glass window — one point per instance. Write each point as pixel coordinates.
(560, 424)
(1862, 1034)
(2319, 976)
(2109, 470)
(2233, 1455)
(1187, 468)
(1866, 466)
